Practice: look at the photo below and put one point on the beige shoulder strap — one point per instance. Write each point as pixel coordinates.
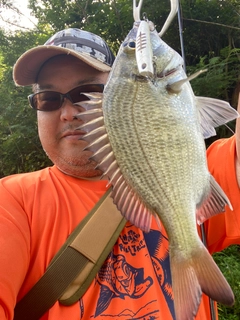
(76, 263)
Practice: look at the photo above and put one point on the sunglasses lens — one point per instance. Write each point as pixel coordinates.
(51, 100)
(46, 101)
(77, 94)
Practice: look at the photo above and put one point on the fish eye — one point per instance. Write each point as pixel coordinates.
(129, 47)
(132, 44)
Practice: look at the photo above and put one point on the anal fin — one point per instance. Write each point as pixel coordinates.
(214, 204)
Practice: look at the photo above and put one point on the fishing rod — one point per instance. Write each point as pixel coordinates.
(181, 34)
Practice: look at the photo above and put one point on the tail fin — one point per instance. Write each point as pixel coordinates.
(191, 277)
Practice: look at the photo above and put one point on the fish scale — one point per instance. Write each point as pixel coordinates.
(146, 142)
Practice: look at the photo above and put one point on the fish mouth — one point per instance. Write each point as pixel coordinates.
(166, 73)
(161, 75)
(140, 78)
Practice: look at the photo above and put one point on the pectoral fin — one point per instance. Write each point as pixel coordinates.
(214, 113)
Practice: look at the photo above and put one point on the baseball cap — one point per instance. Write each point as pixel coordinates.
(86, 46)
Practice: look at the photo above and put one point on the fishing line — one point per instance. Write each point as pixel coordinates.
(229, 128)
(179, 11)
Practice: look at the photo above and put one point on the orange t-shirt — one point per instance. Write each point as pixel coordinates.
(37, 213)
(224, 229)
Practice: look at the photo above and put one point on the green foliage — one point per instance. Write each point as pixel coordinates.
(20, 149)
(220, 78)
(219, 81)
(228, 261)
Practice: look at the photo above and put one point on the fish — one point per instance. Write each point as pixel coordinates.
(146, 132)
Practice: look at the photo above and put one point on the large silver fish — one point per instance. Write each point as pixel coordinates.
(148, 138)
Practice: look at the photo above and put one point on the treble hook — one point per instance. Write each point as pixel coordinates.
(136, 10)
(174, 9)
(145, 18)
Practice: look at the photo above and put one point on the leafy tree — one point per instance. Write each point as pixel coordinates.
(20, 149)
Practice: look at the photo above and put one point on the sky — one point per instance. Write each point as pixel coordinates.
(23, 20)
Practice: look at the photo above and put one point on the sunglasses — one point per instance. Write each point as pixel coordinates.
(52, 100)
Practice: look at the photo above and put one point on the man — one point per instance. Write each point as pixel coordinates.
(40, 209)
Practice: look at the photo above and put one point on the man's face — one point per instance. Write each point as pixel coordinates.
(56, 128)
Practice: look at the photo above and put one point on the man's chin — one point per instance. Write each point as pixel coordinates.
(83, 172)
(80, 167)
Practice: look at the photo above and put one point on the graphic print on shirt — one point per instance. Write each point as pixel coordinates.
(118, 278)
(157, 245)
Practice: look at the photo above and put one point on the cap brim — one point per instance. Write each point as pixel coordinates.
(27, 67)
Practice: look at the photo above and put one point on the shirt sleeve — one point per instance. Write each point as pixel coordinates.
(14, 245)
(223, 229)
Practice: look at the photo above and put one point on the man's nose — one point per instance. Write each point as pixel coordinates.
(69, 110)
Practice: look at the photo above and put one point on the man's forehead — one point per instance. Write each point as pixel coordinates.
(53, 87)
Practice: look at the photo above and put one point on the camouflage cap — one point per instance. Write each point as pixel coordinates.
(84, 45)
